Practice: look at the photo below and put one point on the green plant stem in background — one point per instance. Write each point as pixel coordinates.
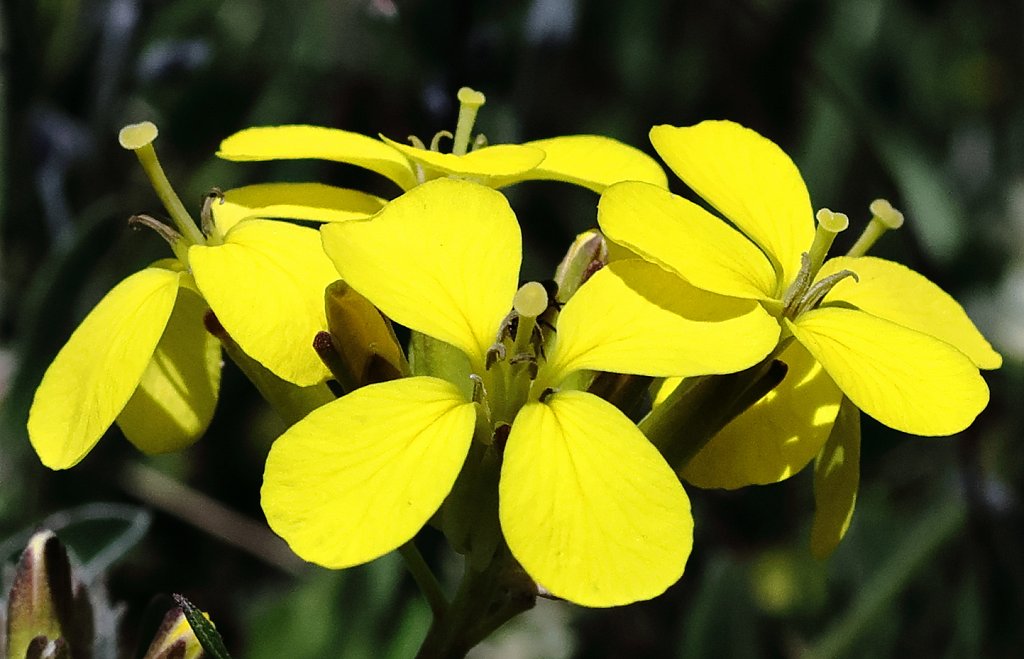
(911, 555)
(167, 494)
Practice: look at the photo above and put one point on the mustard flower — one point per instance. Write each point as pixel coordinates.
(142, 356)
(856, 327)
(591, 161)
(587, 505)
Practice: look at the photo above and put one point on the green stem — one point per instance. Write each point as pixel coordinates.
(424, 578)
(486, 600)
(699, 407)
(291, 402)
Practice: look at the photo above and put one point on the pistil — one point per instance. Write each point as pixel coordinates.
(139, 138)
(829, 226)
(883, 218)
(470, 101)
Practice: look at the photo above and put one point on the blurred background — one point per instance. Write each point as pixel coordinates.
(921, 102)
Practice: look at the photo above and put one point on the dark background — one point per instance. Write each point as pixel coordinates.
(920, 102)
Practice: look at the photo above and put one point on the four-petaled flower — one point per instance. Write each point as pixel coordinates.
(590, 161)
(142, 356)
(586, 504)
(883, 336)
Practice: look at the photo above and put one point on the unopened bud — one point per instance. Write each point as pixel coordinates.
(587, 254)
(363, 348)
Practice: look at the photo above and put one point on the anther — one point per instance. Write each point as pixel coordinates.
(479, 392)
(544, 395)
(479, 142)
(172, 237)
(820, 289)
(206, 214)
(799, 285)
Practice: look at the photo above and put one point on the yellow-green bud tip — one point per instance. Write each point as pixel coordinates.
(886, 214)
(531, 300)
(136, 136)
(471, 97)
(832, 222)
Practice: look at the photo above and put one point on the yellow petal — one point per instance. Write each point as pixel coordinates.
(175, 399)
(749, 179)
(293, 201)
(836, 480)
(634, 317)
(266, 285)
(442, 259)
(95, 373)
(360, 476)
(775, 438)
(295, 142)
(682, 237)
(895, 292)
(588, 506)
(905, 379)
(482, 165)
(591, 161)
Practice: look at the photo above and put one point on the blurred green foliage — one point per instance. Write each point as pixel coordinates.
(920, 102)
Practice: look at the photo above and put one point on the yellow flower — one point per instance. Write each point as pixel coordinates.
(587, 505)
(591, 161)
(859, 327)
(142, 356)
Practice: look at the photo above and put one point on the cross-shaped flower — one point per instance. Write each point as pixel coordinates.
(587, 505)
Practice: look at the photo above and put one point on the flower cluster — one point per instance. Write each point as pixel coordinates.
(495, 430)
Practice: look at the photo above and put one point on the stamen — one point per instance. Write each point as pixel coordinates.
(417, 142)
(172, 237)
(206, 214)
(883, 218)
(435, 144)
(829, 225)
(139, 138)
(820, 289)
(479, 392)
(799, 285)
(479, 142)
(470, 102)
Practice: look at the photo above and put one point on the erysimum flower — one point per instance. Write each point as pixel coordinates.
(859, 327)
(591, 161)
(587, 505)
(142, 356)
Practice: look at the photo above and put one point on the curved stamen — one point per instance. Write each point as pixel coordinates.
(819, 290)
(172, 237)
(435, 144)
